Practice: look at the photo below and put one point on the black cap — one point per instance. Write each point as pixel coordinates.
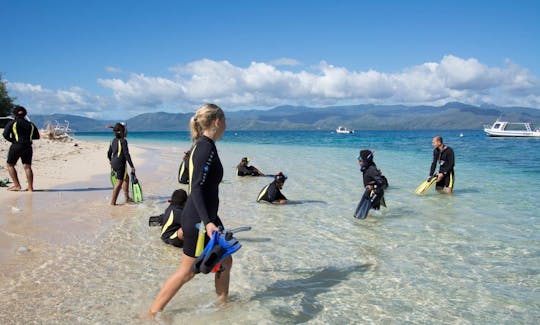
(179, 197)
(19, 111)
(366, 155)
(280, 177)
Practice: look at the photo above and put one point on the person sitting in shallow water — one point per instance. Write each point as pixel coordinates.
(243, 169)
(271, 192)
(171, 227)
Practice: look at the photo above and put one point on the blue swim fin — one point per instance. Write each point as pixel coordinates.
(218, 248)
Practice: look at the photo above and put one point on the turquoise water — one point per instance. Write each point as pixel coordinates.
(469, 258)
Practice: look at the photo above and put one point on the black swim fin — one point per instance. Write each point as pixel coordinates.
(364, 205)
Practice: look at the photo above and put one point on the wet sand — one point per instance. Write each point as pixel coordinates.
(70, 202)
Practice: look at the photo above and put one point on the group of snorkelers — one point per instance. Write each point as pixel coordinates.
(192, 221)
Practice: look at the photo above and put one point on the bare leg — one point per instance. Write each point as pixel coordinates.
(116, 191)
(180, 277)
(29, 177)
(448, 190)
(13, 174)
(125, 187)
(222, 280)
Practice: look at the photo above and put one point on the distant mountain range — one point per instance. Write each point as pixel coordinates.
(452, 116)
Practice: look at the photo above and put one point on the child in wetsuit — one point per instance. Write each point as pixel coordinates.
(171, 227)
(119, 156)
(372, 177)
(271, 192)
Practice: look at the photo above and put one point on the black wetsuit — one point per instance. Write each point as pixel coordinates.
(372, 176)
(445, 157)
(118, 155)
(246, 171)
(183, 172)
(20, 132)
(271, 193)
(170, 223)
(205, 174)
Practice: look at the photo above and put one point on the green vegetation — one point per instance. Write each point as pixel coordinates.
(6, 102)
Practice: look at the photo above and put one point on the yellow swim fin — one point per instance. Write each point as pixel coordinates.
(425, 186)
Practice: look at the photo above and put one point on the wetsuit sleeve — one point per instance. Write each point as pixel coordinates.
(279, 195)
(203, 159)
(243, 171)
(109, 153)
(125, 150)
(373, 177)
(434, 162)
(35, 134)
(8, 134)
(448, 162)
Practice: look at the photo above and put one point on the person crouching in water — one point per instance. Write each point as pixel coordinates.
(243, 169)
(171, 227)
(271, 192)
(373, 179)
(118, 155)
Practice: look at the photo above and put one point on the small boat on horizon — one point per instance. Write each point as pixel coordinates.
(511, 129)
(344, 130)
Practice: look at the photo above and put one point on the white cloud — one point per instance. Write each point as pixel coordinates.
(288, 62)
(113, 69)
(265, 85)
(40, 100)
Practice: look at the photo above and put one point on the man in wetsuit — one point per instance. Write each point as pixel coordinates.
(171, 227)
(271, 192)
(20, 132)
(243, 169)
(444, 155)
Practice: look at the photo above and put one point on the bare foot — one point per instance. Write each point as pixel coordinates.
(14, 188)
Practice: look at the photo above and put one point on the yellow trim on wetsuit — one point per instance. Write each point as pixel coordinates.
(191, 169)
(263, 192)
(14, 129)
(168, 223)
(32, 132)
(451, 183)
(119, 148)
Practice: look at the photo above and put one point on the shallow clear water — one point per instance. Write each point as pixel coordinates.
(470, 258)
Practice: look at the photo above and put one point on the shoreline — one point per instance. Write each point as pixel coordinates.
(70, 202)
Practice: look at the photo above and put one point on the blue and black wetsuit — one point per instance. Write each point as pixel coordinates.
(445, 157)
(20, 132)
(205, 174)
(118, 155)
(271, 193)
(171, 222)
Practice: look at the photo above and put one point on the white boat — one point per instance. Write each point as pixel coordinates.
(342, 129)
(511, 129)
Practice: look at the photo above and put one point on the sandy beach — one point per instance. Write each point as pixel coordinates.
(70, 202)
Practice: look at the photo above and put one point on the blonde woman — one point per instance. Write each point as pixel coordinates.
(205, 174)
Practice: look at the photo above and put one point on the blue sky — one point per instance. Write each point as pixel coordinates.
(114, 59)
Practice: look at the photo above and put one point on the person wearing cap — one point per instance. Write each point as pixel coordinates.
(171, 227)
(372, 176)
(272, 192)
(119, 157)
(243, 169)
(20, 132)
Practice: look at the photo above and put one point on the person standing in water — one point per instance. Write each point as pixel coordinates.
(444, 155)
(206, 172)
(119, 157)
(20, 132)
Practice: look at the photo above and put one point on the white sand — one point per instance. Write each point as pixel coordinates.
(71, 200)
